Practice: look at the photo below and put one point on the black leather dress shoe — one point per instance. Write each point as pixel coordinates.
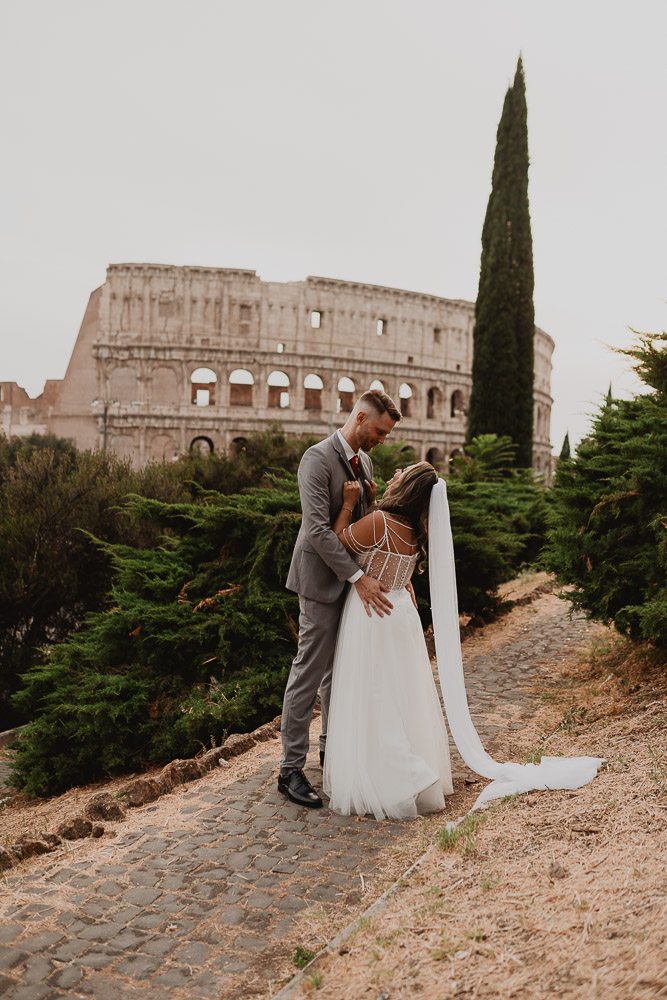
(321, 758)
(297, 788)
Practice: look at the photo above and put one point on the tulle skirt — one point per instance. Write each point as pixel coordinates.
(387, 750)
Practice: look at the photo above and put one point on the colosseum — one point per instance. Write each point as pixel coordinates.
(175, 358)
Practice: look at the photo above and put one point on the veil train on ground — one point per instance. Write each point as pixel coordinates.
(507, 778)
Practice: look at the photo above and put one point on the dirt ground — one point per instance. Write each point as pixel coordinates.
(553, 894)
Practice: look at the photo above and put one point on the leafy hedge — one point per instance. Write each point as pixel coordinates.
(608, 524)
(51, 573)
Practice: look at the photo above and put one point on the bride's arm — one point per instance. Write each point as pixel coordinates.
(351, 490)
(361, 535)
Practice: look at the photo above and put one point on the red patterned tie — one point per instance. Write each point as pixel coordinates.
(354, 462)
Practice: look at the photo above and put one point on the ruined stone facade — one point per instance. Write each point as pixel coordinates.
(173, 358)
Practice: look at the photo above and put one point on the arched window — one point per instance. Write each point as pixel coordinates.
(376, 384)
(313, 385)
(345, 401)
(164, 448)
(238, 445)
(203, 386)
(240, 387)
(278, 385)
(202, 445)
(456, 404)
(433, 403)
(405, 398)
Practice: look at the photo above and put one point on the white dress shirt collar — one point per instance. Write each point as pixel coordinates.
(349, 452)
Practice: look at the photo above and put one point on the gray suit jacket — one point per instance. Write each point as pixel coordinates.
(320, 563)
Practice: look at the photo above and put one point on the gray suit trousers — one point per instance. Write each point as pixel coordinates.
(311, 669)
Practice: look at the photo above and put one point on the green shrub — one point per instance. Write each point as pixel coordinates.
(498, 527)
(197, 642)
(51, 574)
(608, 522)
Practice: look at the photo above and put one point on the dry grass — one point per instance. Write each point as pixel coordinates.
(559, 894)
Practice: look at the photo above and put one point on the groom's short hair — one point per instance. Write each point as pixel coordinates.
(379, 402)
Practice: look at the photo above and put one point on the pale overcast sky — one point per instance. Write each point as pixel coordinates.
(351, 139)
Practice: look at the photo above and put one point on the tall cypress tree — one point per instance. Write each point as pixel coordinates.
(501, 401)
(565, 450)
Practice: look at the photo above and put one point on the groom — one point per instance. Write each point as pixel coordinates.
(318, 573)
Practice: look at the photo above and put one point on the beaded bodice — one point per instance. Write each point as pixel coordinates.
(381, 560)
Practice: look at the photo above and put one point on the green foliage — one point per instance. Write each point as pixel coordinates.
(302, 956)
(389, 457)
(54, 498)
(501, 401)
(51, 574)
(263, 453)
(608, 527)
(197, 642)
(565, 450)
(487, 458)
(461, 836)
(498, 527)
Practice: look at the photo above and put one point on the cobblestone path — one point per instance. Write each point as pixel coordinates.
(196, 894)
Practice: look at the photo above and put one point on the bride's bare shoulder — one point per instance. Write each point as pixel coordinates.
(367, 531)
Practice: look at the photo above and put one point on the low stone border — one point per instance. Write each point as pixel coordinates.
(103, 806)
(9, 736)
(295, 987)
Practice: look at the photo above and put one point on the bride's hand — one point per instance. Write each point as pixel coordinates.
(372, 491)
(351, 490)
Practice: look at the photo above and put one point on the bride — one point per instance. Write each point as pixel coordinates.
(387, 746)
(387, 749)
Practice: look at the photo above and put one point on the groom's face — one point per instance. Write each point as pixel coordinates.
(372, 429)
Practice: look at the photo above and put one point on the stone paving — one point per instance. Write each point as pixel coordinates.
(197, 898)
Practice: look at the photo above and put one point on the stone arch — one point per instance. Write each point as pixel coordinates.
(241, 382)
(346, 391)
(456, 403)
(454, 453)
(377, 384)
(405, 397)
(164, 387)
(238, 445)
(203, 382)
(278, 383)
(433, 403)
(202, 444)
(123, 385)
(164, 448)
(313, 386)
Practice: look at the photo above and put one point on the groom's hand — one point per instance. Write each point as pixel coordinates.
(372, 593)
(411, 592)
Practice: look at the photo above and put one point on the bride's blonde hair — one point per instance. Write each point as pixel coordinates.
(409, 498)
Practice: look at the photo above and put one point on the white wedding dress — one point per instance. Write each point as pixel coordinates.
(387, 747)
(387, 750)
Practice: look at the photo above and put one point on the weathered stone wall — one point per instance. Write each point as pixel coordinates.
(298, 352)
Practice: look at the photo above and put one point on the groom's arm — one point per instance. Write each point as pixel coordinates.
(314, 485)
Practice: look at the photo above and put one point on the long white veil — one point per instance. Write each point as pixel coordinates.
(508, 778)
